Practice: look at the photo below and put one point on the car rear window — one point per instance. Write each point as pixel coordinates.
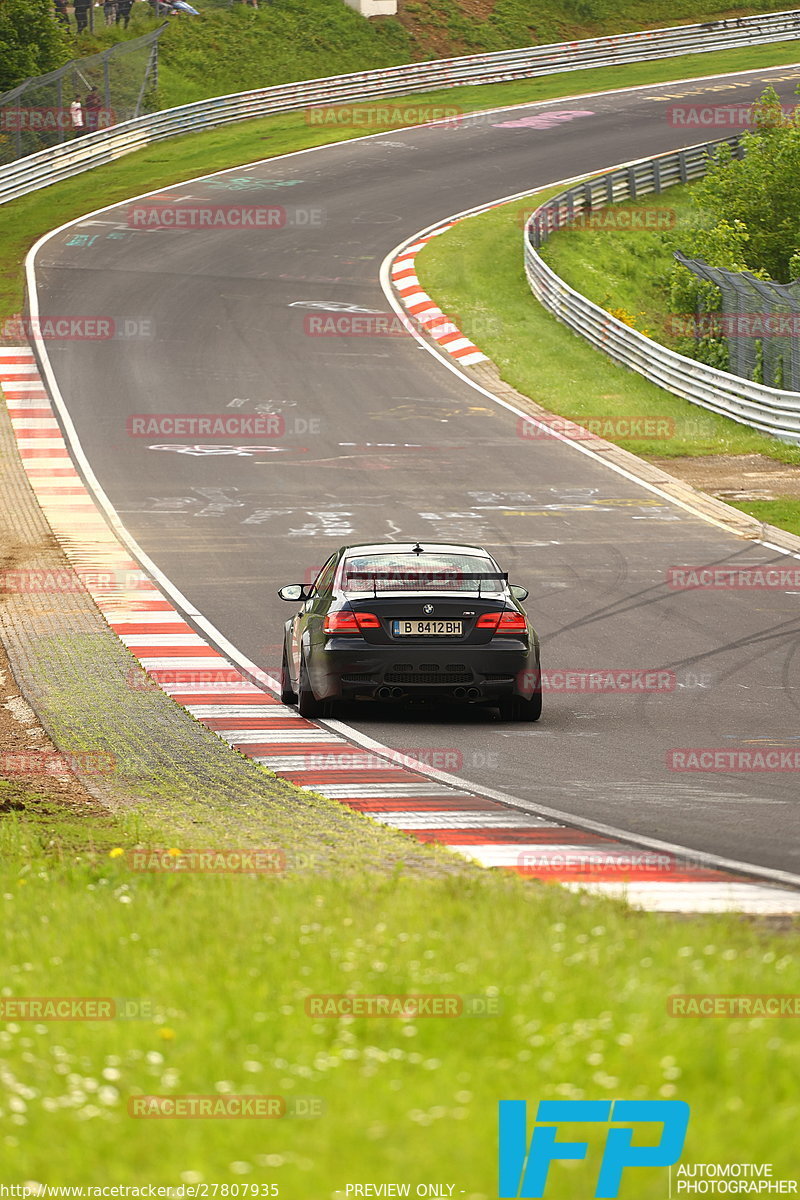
(421, 573)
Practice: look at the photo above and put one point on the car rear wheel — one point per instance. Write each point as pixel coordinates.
(518, 708)
(287, 695)
(307, 703)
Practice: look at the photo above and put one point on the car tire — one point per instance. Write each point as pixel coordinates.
(518, 708)
(287, 695)
(307, 703)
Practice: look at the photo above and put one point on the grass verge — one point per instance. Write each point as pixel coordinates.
(27, 219)
(219, 969)
(783, 512)
(232, 48)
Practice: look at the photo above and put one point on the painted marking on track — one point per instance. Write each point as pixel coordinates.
(545, 120)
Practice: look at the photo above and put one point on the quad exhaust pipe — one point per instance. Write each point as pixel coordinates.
(389, 693)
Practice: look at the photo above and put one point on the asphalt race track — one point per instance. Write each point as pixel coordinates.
(383, 442)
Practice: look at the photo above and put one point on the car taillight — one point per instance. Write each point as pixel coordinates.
(345, 621)
(502, 622)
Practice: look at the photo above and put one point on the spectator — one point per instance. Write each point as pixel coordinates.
(124, 11)
(77, 116)
(82, 14)
(62, 12)
(110, 11)
(93, 104)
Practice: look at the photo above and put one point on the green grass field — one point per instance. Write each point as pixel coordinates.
(232, 47)
(219, 969)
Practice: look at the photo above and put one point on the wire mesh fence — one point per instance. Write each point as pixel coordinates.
(81, 97)
(758, 321)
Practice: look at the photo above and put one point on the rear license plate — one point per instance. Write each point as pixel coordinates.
(426, 628)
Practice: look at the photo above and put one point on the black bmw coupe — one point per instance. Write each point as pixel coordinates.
(403, 621)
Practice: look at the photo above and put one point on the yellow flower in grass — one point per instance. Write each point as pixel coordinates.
(166, 1033)
(117, 852)
(174, 852)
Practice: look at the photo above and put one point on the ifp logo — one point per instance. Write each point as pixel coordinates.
(524, 1168)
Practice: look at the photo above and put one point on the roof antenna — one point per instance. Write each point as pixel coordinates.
(417, 549)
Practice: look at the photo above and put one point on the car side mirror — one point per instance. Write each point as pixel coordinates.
(294, 591)
(518, 592)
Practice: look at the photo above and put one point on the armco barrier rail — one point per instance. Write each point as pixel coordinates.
(769, 410)
(48, 166)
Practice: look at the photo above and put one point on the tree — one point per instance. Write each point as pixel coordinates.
(31, 41)
(760, 190)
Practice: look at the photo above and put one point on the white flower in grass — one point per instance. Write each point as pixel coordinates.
(108, 1095)
(191, 1177)
(110, 1073)
(240, 1168)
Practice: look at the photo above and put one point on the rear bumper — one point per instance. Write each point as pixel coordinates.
(349, 668)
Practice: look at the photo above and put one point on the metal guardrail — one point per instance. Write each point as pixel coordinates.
(770, 410)
(49, 166)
